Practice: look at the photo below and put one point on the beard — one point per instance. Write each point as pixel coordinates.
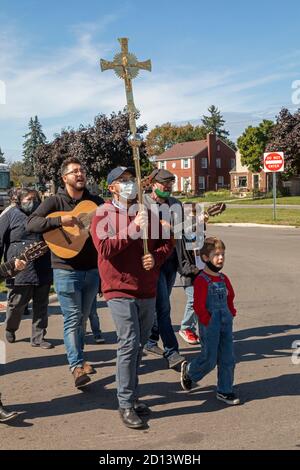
(78, 185)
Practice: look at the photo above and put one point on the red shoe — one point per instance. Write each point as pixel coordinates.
(189, 336)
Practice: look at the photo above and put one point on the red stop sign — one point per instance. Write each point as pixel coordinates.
(273, 161)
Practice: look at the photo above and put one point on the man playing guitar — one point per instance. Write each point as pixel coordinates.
(76, 279)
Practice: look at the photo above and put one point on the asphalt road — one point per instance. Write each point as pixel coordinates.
(264, 266)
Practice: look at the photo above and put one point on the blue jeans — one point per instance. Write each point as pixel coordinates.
(162, 324)
(133, 319)
(94, 319)
(190, 320)
(76, 291)
(216, 341)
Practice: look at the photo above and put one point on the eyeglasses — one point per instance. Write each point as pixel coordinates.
(76, 172)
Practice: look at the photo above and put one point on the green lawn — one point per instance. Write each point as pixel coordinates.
(258, 216)
(294, 200)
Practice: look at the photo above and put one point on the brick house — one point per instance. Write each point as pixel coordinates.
(199, 166)
(242, 180)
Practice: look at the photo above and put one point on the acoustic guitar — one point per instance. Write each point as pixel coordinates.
(31, 253)
(67, 242)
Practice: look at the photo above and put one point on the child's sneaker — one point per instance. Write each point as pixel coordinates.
(228, 398)
(185, 380)
(189, 336)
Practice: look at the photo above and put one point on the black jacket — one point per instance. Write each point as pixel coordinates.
(38, 223)
(14, 238)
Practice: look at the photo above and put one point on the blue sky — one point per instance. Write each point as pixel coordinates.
(241, 56)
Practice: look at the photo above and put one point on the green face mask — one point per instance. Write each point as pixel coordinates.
(162, 194)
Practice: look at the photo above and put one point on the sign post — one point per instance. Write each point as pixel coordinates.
(274, 163)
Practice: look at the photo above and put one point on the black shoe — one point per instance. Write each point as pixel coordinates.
(141, 408)
(228, 398)
(6, 415)
(185, 380)
(130, 418)
(10, 336)
(155, 350)
(175, 360)
(99, 339)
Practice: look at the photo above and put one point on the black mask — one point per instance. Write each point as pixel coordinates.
(29, 207)
(212, 267)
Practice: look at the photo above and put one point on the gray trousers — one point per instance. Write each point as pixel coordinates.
(133, 319)
(17, 300)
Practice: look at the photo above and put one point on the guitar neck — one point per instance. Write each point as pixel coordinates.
(7, 268)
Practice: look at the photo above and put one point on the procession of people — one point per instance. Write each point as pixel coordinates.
(136, 283)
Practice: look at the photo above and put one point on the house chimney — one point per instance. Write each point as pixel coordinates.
(211, 148)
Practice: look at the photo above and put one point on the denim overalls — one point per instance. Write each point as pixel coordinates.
(216, 339)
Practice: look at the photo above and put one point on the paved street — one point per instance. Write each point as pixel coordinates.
(264, 266)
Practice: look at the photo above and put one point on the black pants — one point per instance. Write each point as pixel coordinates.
(17, 300)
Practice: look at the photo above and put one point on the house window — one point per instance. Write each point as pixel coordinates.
(202, 182)
(162, 165)
(242, 182)
(218, 148)
(203, 162)
(232, 163)
(185, 184)
(218, 162)
(185, 163)
(221, 181)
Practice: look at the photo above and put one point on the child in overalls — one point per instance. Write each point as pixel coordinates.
(213, 304)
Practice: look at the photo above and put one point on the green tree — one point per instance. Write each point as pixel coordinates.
(252, 144)
(215, 123)
(17, 173)
(285, 137)
(33, 139)
(163, 137)
(2, 158)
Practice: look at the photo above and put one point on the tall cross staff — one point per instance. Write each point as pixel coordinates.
(126, 66)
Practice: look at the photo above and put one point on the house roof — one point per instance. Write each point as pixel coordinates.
(184, 149)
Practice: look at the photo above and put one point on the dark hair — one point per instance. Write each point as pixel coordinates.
(211, 244)
(13, 195)
(67, 162)
(23, 192)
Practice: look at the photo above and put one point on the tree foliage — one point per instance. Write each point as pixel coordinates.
(100, 147)
(33, 139)
(285, 138)
(163, 137)
(17, 173)
(2, 158)
(252, 144)
(214, 122)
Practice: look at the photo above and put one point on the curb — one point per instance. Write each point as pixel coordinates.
(246, 224)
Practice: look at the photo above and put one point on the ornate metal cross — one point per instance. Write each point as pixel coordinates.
(126, 66)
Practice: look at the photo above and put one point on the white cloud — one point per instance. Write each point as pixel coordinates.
(67, 85)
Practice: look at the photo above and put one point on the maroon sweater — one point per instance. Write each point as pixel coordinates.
(119, 255)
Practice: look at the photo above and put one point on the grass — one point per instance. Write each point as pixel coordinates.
(259, 216)
(291, 200)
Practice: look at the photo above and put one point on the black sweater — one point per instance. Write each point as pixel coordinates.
(38, 223)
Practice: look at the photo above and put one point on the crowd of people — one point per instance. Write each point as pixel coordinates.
(137, 292)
